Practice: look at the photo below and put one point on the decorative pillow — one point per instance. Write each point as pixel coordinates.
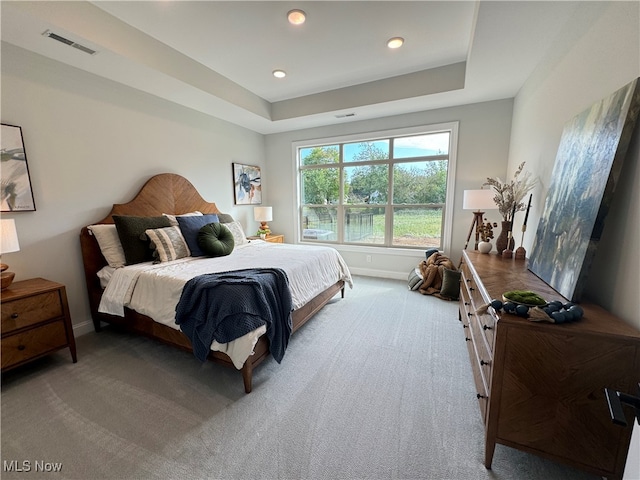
(215, 240)
(225, 218)
(190, 227)
(109, 242)
(174, 222)
(169, 243)
(239, 238)
(430, 252)
(130, 229)
(450, 284)
(415, 279)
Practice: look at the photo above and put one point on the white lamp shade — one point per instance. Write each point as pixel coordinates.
(8, 236)
(479, 200)
(262, 214)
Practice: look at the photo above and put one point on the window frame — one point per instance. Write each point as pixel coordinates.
(447, 223)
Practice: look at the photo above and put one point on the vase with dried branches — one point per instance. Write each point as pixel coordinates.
(509, 199)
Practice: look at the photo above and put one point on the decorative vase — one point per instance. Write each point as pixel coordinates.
(484, 247)
(501, 241)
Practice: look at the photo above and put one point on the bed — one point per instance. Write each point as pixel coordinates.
(174, 195)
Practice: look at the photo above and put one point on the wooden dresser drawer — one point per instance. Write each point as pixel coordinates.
(31, 310)
(33, 343)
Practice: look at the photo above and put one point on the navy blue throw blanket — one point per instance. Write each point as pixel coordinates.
(225, 306)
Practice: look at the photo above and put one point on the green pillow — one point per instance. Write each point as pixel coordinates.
(131, 232)
(450, 284)
(215, 240)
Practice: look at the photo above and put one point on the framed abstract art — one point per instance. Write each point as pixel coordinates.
(247, 184)
(592, 150)
(15, 183)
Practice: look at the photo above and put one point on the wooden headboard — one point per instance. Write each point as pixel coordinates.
(163, 193)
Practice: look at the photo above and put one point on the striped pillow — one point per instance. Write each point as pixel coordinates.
(168, 244)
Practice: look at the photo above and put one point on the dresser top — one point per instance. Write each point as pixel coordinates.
(497, 275)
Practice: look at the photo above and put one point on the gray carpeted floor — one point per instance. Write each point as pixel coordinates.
(377, 386)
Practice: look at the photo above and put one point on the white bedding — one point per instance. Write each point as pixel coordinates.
(154, 289)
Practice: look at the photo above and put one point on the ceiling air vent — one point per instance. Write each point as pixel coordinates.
(71, 43)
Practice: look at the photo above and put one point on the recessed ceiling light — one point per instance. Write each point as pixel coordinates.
(279, 73)
(296, 17)
(395, 42)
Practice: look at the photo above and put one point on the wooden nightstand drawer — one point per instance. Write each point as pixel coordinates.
(31, 310)
(33, 343)
(35, 321)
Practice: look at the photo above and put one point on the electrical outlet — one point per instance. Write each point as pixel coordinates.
(368, 258)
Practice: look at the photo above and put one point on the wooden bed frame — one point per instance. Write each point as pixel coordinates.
(172, 194)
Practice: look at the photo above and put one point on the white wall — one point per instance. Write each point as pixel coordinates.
(90, 143)
(598, 53)
(483, 142)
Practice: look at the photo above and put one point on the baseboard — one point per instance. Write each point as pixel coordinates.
(82, 328)
(369, 272)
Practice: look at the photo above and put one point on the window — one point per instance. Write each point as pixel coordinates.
(388, 189)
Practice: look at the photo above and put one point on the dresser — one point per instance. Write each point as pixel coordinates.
(540, 386)
(35, 322)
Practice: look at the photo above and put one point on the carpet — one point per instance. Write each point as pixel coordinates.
(377, 385)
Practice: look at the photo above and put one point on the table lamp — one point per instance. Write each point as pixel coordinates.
(8, 243)
(479, 201)
(263, 215)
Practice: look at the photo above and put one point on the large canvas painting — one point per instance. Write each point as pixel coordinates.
(16, 193)
(247, 184)
(588, 164)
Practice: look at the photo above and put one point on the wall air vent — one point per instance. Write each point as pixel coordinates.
(71, 43)
(345, 115)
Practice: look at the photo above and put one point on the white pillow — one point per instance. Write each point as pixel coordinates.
(239, 238)
(174, 222)
(109, 242)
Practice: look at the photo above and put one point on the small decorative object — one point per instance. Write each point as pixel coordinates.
(508, 197)
(8, 243)
(486, 234)
(508, 252)
(528, 304)
(263, 236)
(263, 215)
(588, 167)
(15, 185)
(247, 183)
(485, 247)
(521, 253)
(524, 297)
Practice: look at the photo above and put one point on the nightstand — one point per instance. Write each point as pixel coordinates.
(35, 322)
(270, 238)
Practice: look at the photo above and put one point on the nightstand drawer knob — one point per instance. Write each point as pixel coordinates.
(14, 315)
(482, 362)
(486, 327)
(467, 339)
(21, 347)
(479, 396)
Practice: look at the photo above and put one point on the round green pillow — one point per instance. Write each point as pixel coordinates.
(215, 240)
